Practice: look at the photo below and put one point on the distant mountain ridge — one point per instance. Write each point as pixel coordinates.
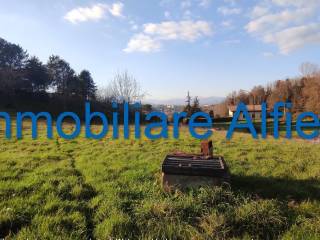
(182, 101)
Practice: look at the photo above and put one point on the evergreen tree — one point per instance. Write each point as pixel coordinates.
(188, 108)
(88, 86)
(74, 86)
(37, 75)
(12, 56)
(12, 61)
(60, 74)
(195, 106)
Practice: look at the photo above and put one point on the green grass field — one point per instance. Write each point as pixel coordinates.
(102, 189)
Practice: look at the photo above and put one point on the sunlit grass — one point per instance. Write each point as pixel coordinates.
(107, 188)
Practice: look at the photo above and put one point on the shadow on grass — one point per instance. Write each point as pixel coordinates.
(279, 188)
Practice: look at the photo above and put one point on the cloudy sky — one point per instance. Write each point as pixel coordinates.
(209, 47)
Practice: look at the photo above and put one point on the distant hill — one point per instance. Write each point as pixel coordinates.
(182, 101)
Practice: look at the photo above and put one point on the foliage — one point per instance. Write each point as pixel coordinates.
(89, 87)
(60, 73)
(196, 105)
(37, 75)
(302, 92)
(12, 56)
(26, 84)
(21, 75)
(192, 108)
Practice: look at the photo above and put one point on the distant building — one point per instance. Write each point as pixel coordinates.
(254, 111)
(219, 110)
(207, 108)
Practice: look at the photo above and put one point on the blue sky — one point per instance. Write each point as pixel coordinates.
(209, 47)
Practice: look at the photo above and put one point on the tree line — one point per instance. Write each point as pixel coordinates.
(27, 84)
(303, 92)
(20, 72)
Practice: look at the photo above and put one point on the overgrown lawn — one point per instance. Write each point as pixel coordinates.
(101, 189)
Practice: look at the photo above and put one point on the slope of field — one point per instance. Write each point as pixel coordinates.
(101, 189)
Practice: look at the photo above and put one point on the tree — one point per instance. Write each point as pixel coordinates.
(12, 56)
(60, 74)
(88, 89)
(188, 108)
(308, 69)
(236, 97)
(243, 96)
(231, 98)
(37, 75)
(74, 86)
(297, 98)
(104, 95)
(311, 94)
(147, 108)
(258, 94)
(125, 88)
(196, 105)
(12, 61)
(281, 91)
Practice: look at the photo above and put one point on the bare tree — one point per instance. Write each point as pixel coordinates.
(303, 92)
(124, 87)
(258, 94)
(231, 98)
(104, 95)
(311, 94)
(243, 96)
(308, 69)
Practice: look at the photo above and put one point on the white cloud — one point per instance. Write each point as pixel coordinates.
(276, 21)
(83, 14)
(142, 43)
(289, 24)
(183, 30)
(297, 3)
(154, 34)
(294, 38)
(229, 11)
(93, 13)
(116, 9)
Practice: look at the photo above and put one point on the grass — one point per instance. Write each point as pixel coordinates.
(102, 189)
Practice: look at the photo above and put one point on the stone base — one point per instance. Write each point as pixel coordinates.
(172, 182)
